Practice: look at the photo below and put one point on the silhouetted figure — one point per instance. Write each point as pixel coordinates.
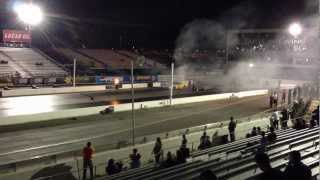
(206, 143)
(207, 175)
(182, 154)
(232, 127)
(112, 168)
(135, 159)
(284, 119)
(87, 153)
(272, 136)
(157, 150)
(284, 94)
(254, 131)
(296, 170)
(263, 143)
(271, 100)
(184, 140)
(269, 173)
(274, 120)
(203, 137)
(169, 160)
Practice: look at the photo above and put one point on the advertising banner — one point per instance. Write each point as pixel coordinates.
(15, 36)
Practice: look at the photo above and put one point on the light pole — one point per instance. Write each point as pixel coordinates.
(171, 86)
(74, 71)
(132, 105)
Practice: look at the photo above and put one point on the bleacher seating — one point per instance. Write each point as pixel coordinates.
(81, 59)
(29, 62)
(235, 160)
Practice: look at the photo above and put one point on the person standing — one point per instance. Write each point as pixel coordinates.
(157, 150)
(232, 127)
(296, 170)
(87, 160)
(184, 141)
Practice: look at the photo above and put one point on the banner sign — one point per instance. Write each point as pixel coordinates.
(15, 36)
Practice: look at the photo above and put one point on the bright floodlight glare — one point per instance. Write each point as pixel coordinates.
(251, 65)
(29, 13)
(295, 29)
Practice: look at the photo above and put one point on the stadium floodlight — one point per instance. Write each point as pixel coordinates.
(28, 13)
(295, 29)
(251, 65)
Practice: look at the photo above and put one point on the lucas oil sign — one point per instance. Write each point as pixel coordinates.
(15, 36)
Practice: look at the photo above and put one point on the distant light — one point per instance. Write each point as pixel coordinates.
(28, 13)
(116, 81)
(251, 65)
(295, 29)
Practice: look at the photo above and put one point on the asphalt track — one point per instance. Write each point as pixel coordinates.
(110, 129)
(13, 106)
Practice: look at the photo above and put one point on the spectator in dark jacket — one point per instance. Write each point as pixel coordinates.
(112, 168)
(296, 170)
(157, 150)
(269, 173)
(232, 127)
(272, 136)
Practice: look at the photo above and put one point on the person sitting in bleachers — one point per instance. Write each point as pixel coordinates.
(207, 175)
(182, 154)
(254, 131)
(263, 143)
(269, 173)
(112, 168)
(135, 159)
(272, 136)
(296, 170)
(169, 162)
(206, 143)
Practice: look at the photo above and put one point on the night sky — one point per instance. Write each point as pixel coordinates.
(148, 23)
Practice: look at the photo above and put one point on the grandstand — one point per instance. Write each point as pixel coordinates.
(29, 63)
(235, 160)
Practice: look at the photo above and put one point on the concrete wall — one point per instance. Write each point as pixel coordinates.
(78, 112)
(65, 90)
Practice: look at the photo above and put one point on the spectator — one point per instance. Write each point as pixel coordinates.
(254, 131)
(205, 143)
(269, 173)
(259, 130)
(208, 175)
(232, 127)
(169, 160)
(296, 170)
(157, 150)
(182, 154)
(284, 119)
(184, 140)
(135, 159)
(263, 143)
(203, 137)
(272, 136)
(275, 100)
(112, 168)
(87, 153)
(271, 100)
(274, 120)
(284, 94)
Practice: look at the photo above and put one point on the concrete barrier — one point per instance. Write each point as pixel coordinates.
(78, 112)
(58, 90)
(65, 90)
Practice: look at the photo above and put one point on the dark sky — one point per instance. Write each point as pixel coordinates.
(148, 23)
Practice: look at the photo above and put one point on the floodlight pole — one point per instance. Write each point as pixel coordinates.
(171, 86)
(132, 105)
(74, 71)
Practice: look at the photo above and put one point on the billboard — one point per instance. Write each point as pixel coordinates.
(15, 36)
